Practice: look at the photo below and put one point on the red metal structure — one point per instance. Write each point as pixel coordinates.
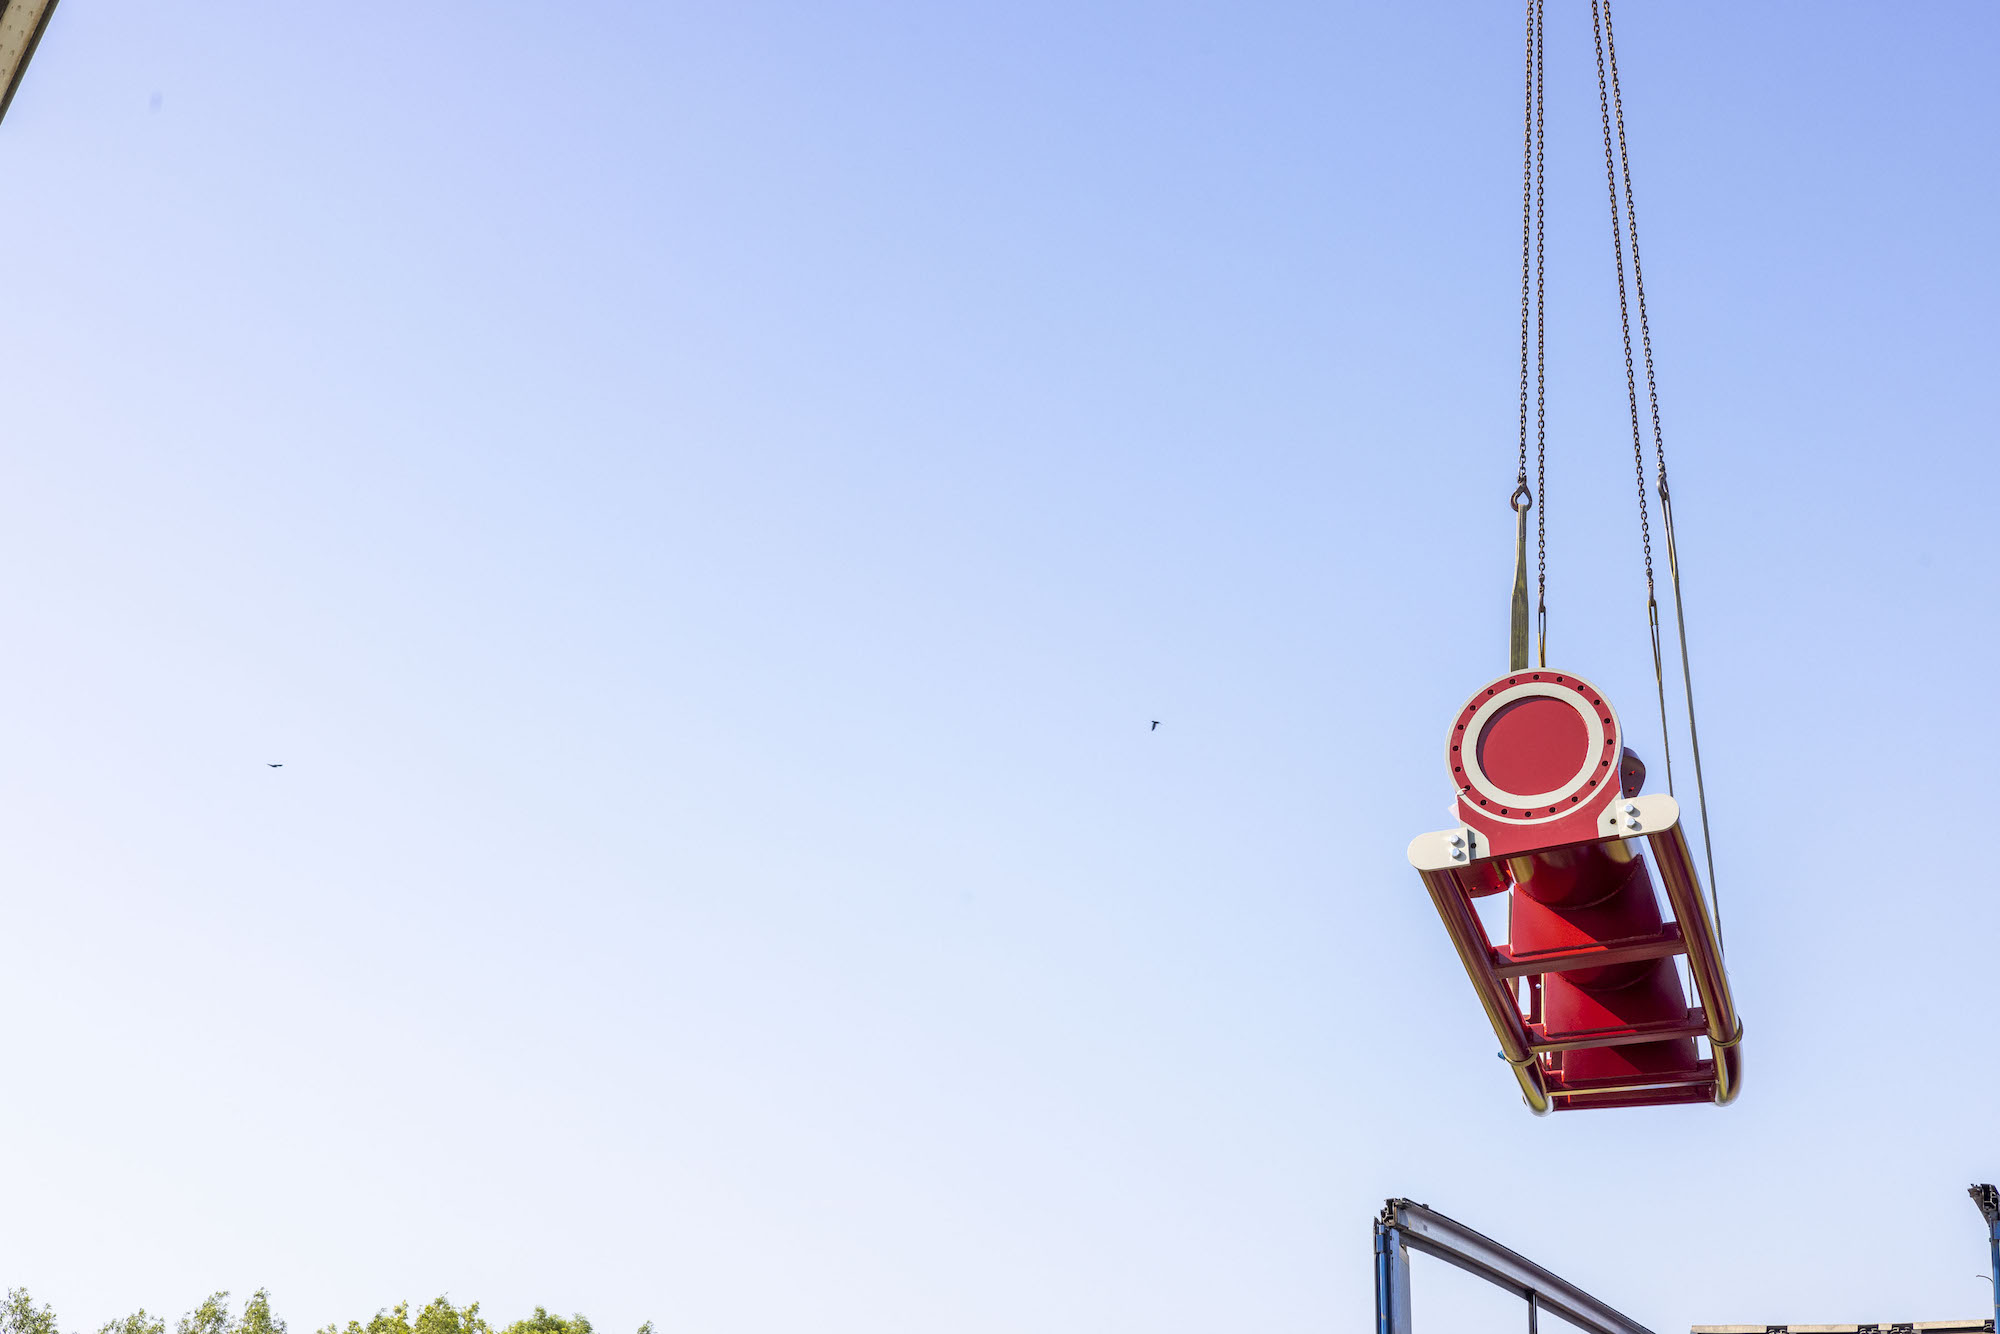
(1584, 995)
(1601, 995)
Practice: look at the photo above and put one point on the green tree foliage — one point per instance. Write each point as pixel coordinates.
(440, 1318)
(256, 1317)
(136, 1323)
(20, 1315)
(211, 1317)
(541, 1322)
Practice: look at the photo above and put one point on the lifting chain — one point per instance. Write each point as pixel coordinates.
(1532, 288)
(1611, 104)
(1624, 231)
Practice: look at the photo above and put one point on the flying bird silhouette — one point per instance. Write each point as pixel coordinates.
(1155, 727)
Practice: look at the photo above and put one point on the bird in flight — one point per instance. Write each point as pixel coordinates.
(277, 766)
(1155, 727)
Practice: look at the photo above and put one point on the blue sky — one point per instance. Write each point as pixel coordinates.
(704, 502)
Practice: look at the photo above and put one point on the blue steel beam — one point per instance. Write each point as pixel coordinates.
(1392, 1281)
(1988, 1200)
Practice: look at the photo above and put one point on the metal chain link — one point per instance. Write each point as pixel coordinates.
(1611, 175)
(1638, 274)
(1527, 237)
(1617, 165)
(1541, 378)
(1666, 496)
(1624, 315)
(1533, 286)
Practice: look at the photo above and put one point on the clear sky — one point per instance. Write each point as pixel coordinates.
(704, 502)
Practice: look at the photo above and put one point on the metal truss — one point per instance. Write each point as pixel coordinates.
(1407, 1226)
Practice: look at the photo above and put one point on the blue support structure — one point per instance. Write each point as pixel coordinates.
(1988, 1200)
(1392, 1280)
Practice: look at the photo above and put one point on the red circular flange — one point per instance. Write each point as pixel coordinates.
(1533, 745)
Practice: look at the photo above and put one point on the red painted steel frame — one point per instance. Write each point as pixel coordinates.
(1493, 969)
(1606, 1021)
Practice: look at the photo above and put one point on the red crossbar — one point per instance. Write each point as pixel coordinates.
(1667, 940)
